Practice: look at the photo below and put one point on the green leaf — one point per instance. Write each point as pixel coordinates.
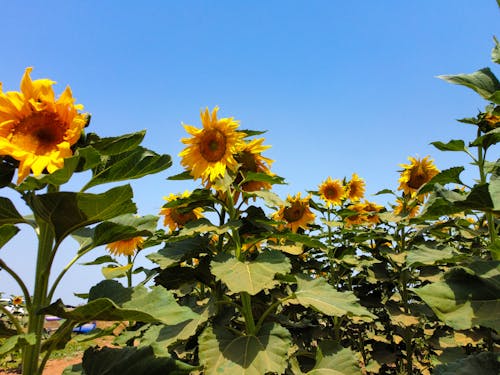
(68, 211)
(120, 144)
(59, 177)
(101, 260)
(177, 251)
(333, 359)
(110, 301)
(7, 231)
(300, 239)
(204, 226)
(485, 363)
(223, 353)
(453, 145)
(463, 300)
(263, 177)
(483, 82)
(320, 295)
(494, 190)
(133, 164)
(113, 272)
(426, 255)
(74, 370)
(488, 139)
(186, 175)
(130, 361)
(250, 276)
(8, 212)
(271, 199)
(17, 342)
(495, 52)
(448, 176)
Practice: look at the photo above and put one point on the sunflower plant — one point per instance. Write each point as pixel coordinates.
(43, 144)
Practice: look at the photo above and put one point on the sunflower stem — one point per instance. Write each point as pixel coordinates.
(40, 299)
(246, 303)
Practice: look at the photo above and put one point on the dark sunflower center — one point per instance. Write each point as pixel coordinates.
(247, 161)
(39, 133)
(417, 178)
(331, 193)
(181, 218)
(294, 212)
(213, 145)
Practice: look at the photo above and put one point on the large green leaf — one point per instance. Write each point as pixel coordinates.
(320, 295)
(488, 139)
(483, 82)
(68, 211)
(426, 255)
(9, 213)
(453, 145)
(7, 231)
(130, 361)
(485, 363)
(110, 301)
(335, 360)
(136, 163)
(118, 145)
(221, 352)
(463, 300)
(448, 176)
(119, 228)
(17, 342)
(250, 276)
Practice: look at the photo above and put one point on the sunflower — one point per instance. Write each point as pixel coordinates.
(355, 188)
(332, 191)
(406, 208)
(371, 211)
(17, 300)
(357, 218)
(297, 214)
(36, 129)
(250, 159)
(125, 247)
(211, 150)
(416, 174)
(176, 217)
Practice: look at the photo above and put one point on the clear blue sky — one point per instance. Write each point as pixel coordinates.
(340, 86)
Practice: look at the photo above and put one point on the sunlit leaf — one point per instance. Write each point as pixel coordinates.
(453, 145)
(132, 164)
(113, 272)
(221, 352)
(332, 359)
(448, 176)
(463, 300)
(426, 255)
(17, 342)
(495, 52)
(118, 145)
(320, 295)
(250, 276)
(483, 82)
(58, 177)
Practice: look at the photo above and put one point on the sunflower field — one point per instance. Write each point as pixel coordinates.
(243, 281)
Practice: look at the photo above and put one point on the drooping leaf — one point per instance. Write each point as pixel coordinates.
(426, 255)
(7, 231)
(204, 226)
(17, 342)
(333, 359)
(463, 300)
(488, 139)
(110, 301)
(68, 211)
(263, 177)
(9, 213)
(130, 361)
(250, 276)
(101, 260)
(320, 295)
(453, 145)
(113, 272)
(133, 164)
(177, 251)
(495, 52)
(223, 353)
(483, 82)
(271, 199)
(485, 363)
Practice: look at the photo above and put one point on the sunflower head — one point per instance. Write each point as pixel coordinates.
(355, 188)
(408, 208)
(365, 213)
(17, 300)
(210, 151)
(250, 159)
(416, 174)
(177, 217)
(297, 215)
(37, 129)
(125, 247)
(332, 192)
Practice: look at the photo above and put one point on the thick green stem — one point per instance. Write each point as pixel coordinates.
(246, 304)
(12, 318)
(39, 300)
